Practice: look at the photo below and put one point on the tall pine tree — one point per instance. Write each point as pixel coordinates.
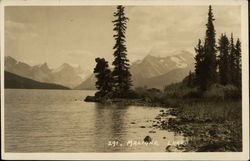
(210, 52)
(200, 79)
(224, 67)
(121, 74)
(238, 63)
(232, 61)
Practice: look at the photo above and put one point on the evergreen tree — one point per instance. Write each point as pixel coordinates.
(190, 80)
(189, 83)
(104, 77)
(238, 63)
(210, 52)
(224, 68)
(232, 61)
(200, 77)
(121, 74)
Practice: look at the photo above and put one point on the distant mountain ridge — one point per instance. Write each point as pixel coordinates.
(18, 82)
(65, 75)
(155, 72)
(152, 66)
(88, 84)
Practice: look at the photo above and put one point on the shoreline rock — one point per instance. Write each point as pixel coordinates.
(147, 139)
(202, 136)
(91, 99)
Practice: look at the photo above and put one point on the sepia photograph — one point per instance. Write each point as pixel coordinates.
(124, 78)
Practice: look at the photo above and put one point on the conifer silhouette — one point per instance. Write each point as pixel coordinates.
(121, 73)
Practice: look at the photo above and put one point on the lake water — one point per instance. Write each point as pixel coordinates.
(60, 121)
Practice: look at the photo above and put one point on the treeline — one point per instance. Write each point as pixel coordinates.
(216, 63)
(116, 83)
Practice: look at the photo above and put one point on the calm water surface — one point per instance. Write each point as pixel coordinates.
(59, 121)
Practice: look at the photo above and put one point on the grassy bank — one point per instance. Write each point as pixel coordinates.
(211, 120)
(209, 126)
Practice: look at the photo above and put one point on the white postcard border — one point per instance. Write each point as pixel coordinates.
(138, 156)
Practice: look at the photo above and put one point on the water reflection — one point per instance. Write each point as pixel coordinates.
(110, 126)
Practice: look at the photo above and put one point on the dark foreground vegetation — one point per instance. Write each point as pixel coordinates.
(15, 81)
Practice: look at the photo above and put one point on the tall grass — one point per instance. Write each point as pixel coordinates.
(206, 111)
(219, 103)
(213, 118)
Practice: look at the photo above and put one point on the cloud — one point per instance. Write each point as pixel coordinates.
(77, 53)
(156, 25)
(164, 29)
(15, 30)
(78, 56)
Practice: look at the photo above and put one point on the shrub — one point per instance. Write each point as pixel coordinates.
(232, 92)
(149, 95)
(193, 94)
(129, 94)
(218, 91)
(215, 92)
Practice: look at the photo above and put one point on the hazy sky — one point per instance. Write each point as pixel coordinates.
(76, 35)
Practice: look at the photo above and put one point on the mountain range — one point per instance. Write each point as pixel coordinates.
(155, 72)
(65, 75)
(151, 71)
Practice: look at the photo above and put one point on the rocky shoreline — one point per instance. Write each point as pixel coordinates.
(205, 136)
(202, 136)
